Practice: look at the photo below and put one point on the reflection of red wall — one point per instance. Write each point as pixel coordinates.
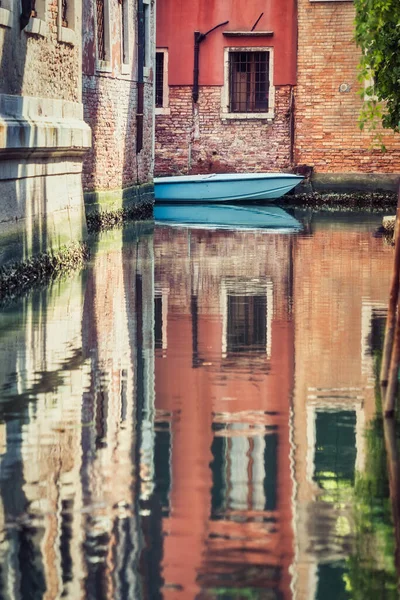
(177, 20)
(195, 554)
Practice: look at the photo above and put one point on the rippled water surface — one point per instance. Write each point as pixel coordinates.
(195, 416)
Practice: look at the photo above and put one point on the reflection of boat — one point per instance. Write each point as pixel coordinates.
(229, 187)
(217, 216)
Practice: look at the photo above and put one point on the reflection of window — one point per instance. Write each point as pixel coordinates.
(247, 308)
(332, 581)
(162, 464)
(335, 451)
(158, 322)
(160, 319)
(247, 323)
(244, 469)
(373, 322)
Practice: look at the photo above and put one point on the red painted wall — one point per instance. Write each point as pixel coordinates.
(177, 20)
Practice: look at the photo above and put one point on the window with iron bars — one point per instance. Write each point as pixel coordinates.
(159, 79)
(249, 82)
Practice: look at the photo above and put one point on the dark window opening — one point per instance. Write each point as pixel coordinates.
(101, 47)
(244, 471)
(159, 79)
(64, 19)
(335, 450)
(124, 33)
(146, 34)
(158, 324)
(249, 81)
(247, 324)
(162, 465)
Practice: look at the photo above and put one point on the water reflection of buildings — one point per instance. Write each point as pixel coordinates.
(76, 378)
(223, 324)
(236, 479)
(341, 282)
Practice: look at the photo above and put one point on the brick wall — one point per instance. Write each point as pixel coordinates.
(199, 141)
(327, 135)
(110, 109)
(110, 103)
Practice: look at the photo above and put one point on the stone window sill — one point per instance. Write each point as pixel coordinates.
(5, 17)
(37, 27)
(103, 66)
(67, 36)
(248, 116)
(165, 110)
(126, 69)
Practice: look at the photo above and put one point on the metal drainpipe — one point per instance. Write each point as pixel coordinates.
(198, 38)
(140, 81)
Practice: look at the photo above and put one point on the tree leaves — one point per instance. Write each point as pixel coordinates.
(378, 35)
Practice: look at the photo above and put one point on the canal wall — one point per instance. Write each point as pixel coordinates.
(118, 57)
(42, 132)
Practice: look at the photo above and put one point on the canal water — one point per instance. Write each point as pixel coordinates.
(195, 416)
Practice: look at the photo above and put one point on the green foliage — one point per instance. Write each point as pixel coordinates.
(378, 36)
(371, 566)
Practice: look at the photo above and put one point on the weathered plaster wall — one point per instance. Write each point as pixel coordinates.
(202, 141)
(327, 133)
(178, 20)
(42, 133)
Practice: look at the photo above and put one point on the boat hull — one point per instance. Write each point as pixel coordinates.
(224, 216)
(231, 187)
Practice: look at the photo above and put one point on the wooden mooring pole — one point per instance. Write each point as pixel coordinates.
(393, 464)
(391, 348)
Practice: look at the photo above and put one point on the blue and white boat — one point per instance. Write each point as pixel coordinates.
(225, 216)
(229, 187)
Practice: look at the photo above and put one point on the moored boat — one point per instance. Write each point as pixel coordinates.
(228, 187)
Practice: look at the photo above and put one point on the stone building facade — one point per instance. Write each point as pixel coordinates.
(328, 100)
(234, 110)
(118, 57)
(42, 132)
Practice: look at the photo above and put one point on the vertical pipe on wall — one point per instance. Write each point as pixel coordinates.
(140, 81)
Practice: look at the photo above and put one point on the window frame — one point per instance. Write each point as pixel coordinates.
(38, 25)
(104, 65)
(165, 108)
(251, 288)
(225, 96)
(147, 38)
(67, 35)
(6, 14)
(126, 54)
